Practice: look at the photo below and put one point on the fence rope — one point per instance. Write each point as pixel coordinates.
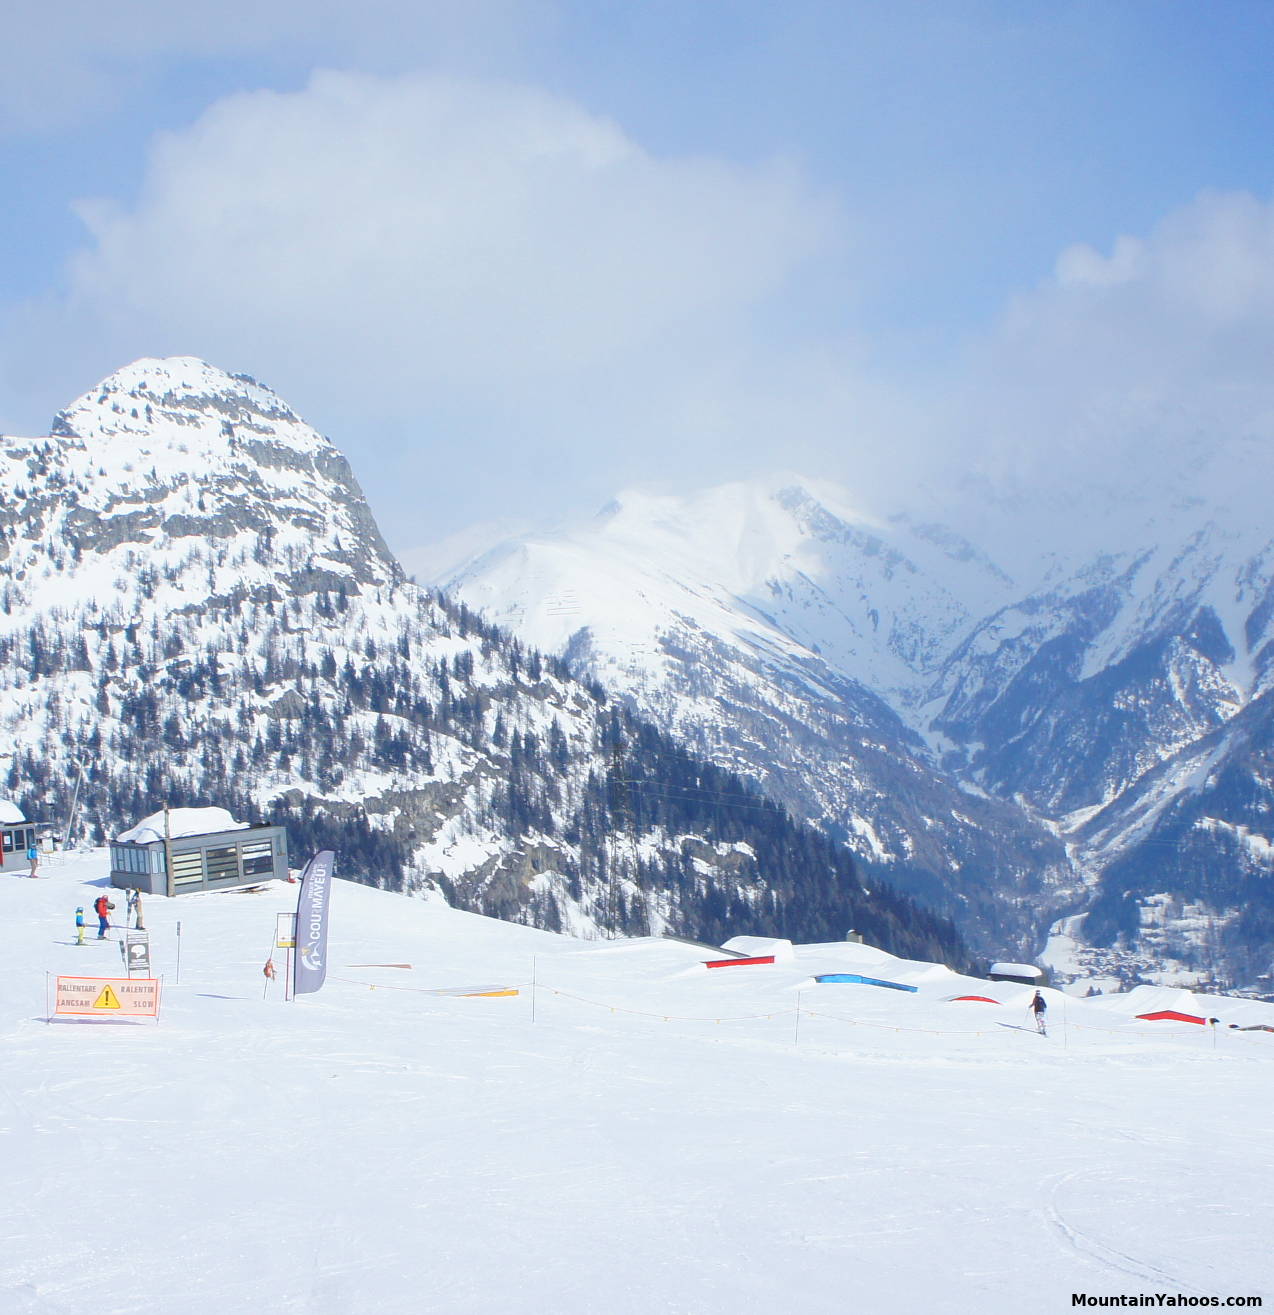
(893, 1027)
(425, 990)
(680, 1018)
(1193, 1030)
(446, 992)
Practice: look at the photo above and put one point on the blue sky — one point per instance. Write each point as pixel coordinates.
(515, 254)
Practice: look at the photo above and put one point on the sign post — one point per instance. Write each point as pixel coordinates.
(106, 997)
(168, 854)
(285, 931)
(135, 947)
(285, 939)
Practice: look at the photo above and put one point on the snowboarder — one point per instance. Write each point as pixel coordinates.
(1039, 1008)
(135, 908)
(102, 907)
(79, 926)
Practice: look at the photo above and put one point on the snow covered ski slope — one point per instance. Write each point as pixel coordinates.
(631, 1132)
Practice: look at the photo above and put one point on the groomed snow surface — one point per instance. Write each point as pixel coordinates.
(378, 1148)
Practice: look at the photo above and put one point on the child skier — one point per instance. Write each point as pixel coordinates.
(102, 907)
(79, 926)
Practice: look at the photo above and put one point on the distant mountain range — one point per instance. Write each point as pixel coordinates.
(1083, 750)
(197, 607)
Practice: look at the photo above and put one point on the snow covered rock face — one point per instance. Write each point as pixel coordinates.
(1072, 695)
(771, 628)
(1005, 750)
(197, 607)
(173, 456)
(1129, 702)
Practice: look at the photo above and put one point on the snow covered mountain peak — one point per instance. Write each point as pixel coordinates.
(196, 604)
(742, 533)
(887, 678)
(181, 471)
(785, 564)
(182, 403)
(762, 621)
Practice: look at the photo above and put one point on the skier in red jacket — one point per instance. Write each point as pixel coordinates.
(102, 907)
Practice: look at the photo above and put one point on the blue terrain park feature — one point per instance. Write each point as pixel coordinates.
(862, 981)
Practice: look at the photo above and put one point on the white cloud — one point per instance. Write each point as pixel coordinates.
(501, 305)
(1133, 377)
(508, 279)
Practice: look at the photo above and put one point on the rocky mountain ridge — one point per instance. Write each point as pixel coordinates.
(1041, 743)
(196, 606)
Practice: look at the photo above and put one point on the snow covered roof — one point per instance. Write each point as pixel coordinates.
(10, 813)
(182, 822)
(759, 945)
(1028, 970)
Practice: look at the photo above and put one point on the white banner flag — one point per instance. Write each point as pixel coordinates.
(310, 969)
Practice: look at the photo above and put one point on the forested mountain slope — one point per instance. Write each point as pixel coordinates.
(197, 607)
(1084, 734)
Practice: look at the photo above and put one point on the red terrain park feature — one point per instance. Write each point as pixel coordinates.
(1172, 1016)
(737, 963)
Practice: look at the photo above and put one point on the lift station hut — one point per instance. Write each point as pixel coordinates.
(197, 849)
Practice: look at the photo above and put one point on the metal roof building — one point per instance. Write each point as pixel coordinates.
(18, 837)
(1025, 973)
(211, 860)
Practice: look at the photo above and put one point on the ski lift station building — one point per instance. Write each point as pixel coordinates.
(1025, 973)
(18, 837)
(208, 849)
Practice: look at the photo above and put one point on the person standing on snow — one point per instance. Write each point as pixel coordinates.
(102, 907)
(79, 926)
(1039, 1007)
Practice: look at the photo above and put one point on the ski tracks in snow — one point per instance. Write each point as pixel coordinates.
(1094, 1248)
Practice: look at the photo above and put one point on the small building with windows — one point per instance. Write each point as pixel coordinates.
(18, 838)
(208, 850)
(1027, 974)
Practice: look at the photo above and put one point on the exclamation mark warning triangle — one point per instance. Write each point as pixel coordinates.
(107, 1000)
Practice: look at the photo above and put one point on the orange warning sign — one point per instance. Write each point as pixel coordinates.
(107, 997)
